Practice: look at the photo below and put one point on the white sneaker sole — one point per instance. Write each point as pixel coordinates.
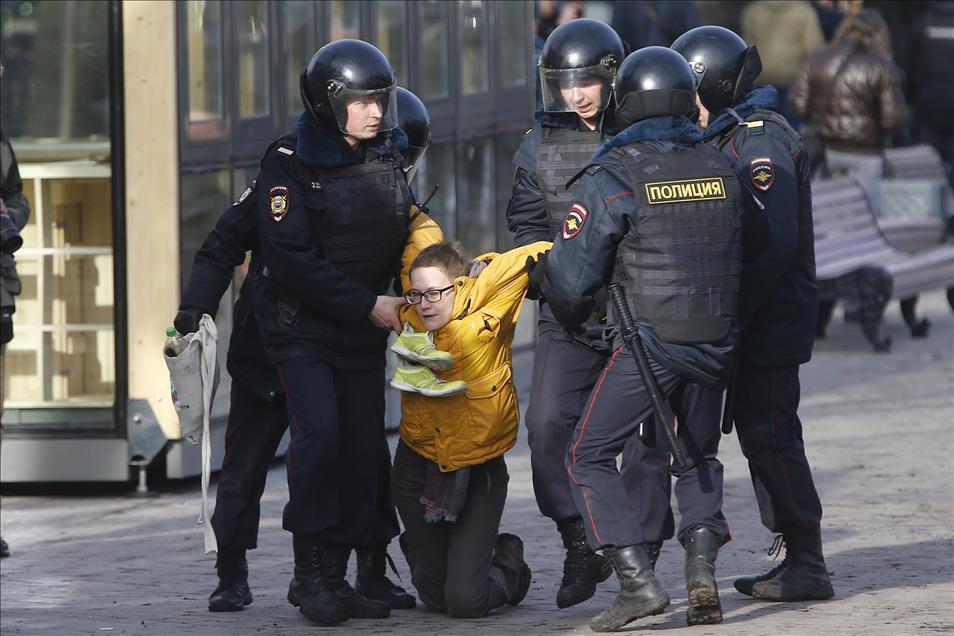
(435, 364)
(410, 388)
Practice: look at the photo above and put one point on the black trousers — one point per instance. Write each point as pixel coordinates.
(696, 411)
(770, 433)
(338, 459)
(450, 562)
(619, 402)
(564, 373)
(255, 429)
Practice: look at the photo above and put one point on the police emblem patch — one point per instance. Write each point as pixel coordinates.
(574, 221)
(278, 202)
(762, 173)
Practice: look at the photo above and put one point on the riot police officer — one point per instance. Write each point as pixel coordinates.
(256, 425)
(659, 213)
(577, 68)
(778, 303)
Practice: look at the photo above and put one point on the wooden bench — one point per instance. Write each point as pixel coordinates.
(916, 198)
(857, 265)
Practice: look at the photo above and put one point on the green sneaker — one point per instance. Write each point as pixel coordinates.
(422, 380)
(419, 348)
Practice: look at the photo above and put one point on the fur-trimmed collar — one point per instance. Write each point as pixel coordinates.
(677, 129)
(765, 97)
(321, 148)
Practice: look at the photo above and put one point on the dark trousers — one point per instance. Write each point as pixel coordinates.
(564, 373)
(616, 407)
(697, 412)
(770, 433)
(338, 459)
(254, 431)
(451, 562)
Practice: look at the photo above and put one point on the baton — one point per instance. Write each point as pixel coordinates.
(634, 343)
(729, 404)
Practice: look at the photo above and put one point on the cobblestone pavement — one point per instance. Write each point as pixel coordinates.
(878, 429)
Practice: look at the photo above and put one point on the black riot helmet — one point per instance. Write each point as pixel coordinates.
(653, 82)
(346, 71)
(578, 52)
(724, 65)
(416, 123)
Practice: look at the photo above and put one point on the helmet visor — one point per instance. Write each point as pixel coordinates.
(584, 91)
(363, 113)
(414, 155)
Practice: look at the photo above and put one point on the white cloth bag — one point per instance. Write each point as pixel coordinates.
(194, 377)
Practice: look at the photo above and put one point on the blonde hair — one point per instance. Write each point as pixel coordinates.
(446, 256)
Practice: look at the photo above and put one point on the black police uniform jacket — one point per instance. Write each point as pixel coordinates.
(660, 213)
(778, 303)
(234, 234)
(554, 151)
(332, 222)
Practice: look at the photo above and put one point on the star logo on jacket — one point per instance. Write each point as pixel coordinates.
(278, 203)
(574, 221)
(762, 173)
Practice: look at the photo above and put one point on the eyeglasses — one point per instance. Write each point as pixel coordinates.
(431, 295)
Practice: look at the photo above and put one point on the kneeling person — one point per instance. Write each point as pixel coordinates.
(449, 479)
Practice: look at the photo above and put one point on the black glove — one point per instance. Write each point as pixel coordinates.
(187, 321)
(535, 268)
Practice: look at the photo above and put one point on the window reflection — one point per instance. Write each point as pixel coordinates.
(514, 33)
(392, 36)
(345, 20)
(473, 47)
(301, 43)
(432, 22)
(437, 168)
(55, 79)
(203, 196)
(204, 35)
(475, 195)
(253, 58)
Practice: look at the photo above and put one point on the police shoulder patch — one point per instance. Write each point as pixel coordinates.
(762, 173)
(574, 220)
(278, 203)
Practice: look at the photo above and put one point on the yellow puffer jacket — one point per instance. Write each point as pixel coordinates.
(476, 426)
(423, 231)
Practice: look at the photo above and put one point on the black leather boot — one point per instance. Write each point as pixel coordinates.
(801, 576)
(652, 551)
(308, 591)
(582, 568)
(232, 593)
(640, 594)
(508, 558)
(373, 583)
(702, 546)
(356, 605)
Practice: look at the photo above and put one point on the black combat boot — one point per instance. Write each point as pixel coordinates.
(508, 558)
(373, 583)
(702, 546)
(801, 576)
(356, 605)
(640, 594)
(652, 551)
(582, 568)
(233, 592)
(308, 591)
(4, 549)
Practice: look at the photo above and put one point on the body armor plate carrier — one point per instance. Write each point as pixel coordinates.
(680, 265)
(563, 153)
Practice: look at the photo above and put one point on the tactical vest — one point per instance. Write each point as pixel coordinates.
(680, 264)
(805, 252)
(563, 153)
(361, 221)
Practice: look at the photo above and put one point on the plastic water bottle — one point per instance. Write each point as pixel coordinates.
(175, 343)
